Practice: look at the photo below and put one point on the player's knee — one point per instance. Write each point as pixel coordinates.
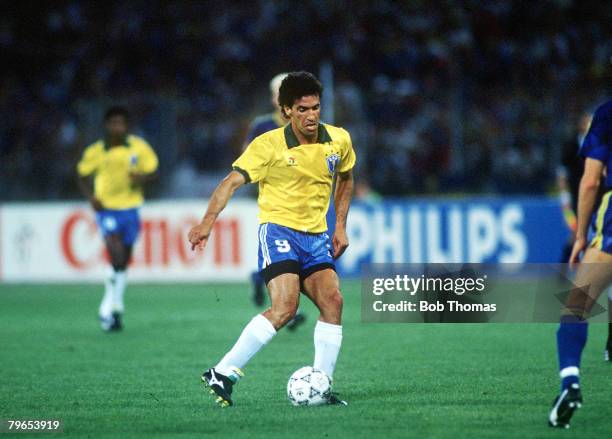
(334, 300)
(283, 314)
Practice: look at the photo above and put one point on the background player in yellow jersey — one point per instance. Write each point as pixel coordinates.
(119, 165)
(294, 166)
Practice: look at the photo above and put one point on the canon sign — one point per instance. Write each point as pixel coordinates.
(162, 243)
(61, 242)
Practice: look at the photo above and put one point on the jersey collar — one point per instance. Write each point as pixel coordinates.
(292, 141)
(107, 142)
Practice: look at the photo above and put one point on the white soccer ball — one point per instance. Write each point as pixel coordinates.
(308, 386)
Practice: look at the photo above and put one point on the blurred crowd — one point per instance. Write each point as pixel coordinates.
(440, 96)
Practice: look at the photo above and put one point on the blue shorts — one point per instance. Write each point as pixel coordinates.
(284, 250)
(126, 223)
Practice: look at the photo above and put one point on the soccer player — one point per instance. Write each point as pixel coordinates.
(119, 165)
(568, 182)
(294, 167)
(262, 124)
(568, 179)
(594, 271)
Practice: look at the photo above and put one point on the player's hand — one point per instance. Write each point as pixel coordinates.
(579, 245)
(340, 242)
(136, 178)
(96, 204)
(198, 236)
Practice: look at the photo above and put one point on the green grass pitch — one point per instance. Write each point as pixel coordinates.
(409, 380)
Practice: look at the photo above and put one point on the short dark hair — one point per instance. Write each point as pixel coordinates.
(298, 84)
(116, 110)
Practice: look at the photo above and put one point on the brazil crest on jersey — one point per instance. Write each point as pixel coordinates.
(295, 181)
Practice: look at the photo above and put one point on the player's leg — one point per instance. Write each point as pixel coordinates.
(323, 288)
(593, 277)
(258, 295)
(320, 283)
(284, 296)
(280, 269)
(109, 226)
(119, 253)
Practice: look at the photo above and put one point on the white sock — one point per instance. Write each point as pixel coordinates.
(120, 282)
(255, 335)
(106, 306)
(327, 342)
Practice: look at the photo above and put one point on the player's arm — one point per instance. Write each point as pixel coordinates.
(342, 200)
(146, 171)
(198, 236)
(86, 171)
(140, 178)
(587, 196)
(565, 198)
(85, 184)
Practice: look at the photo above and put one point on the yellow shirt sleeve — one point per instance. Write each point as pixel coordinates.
(254, 161)
(147, 159)
(90, 161)
(348, 157)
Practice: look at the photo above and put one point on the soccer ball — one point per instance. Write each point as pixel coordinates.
(308, 386)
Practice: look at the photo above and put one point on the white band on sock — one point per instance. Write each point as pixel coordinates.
(120, 283)
(328, 328)
(263, 329)
(569, 371)
(106, 306)
(255, 335)
(327, 342)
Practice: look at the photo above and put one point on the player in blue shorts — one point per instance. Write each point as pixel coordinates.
(119, 165)
(295, 167)
(594, 273)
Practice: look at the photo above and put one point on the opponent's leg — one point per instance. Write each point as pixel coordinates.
(284, 295)
(297, 321)
(258, 285)
(593, 277)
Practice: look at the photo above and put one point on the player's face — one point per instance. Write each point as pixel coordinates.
(116, 127)
(305, 114)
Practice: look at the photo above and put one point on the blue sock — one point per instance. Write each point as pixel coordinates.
(571, 339)
(257, 278)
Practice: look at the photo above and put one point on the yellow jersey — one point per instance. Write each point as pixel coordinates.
(111, 168)
(295, 181)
